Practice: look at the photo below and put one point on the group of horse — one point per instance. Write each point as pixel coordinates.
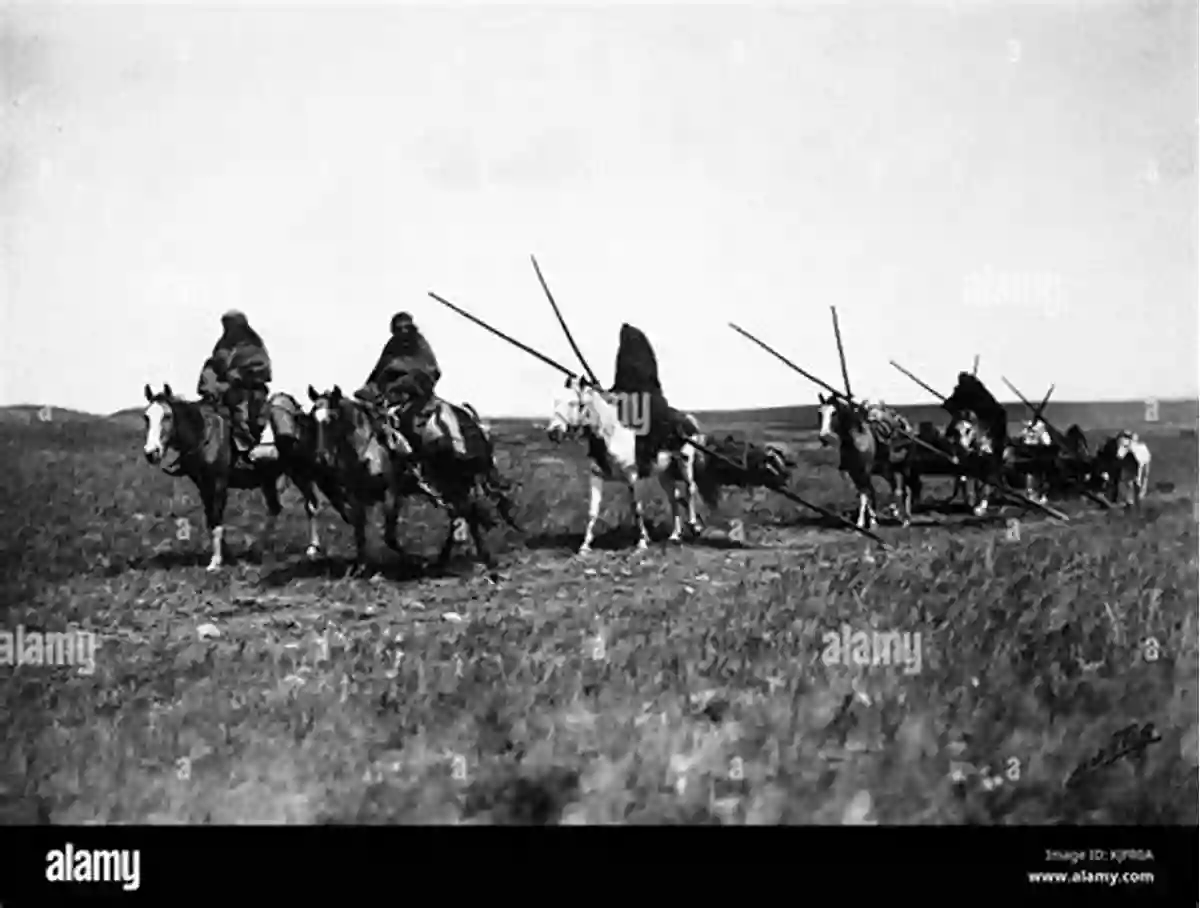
(340, 448)
(337, 447)
(976, 450)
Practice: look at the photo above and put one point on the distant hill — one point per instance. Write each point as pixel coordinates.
(31, 413)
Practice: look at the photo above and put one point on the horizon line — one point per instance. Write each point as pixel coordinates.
(717, 410)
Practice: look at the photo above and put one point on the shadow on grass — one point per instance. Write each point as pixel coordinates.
(400, 568)
(622, 539)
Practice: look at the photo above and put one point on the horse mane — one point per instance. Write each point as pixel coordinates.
(605, 408)
(189, 413)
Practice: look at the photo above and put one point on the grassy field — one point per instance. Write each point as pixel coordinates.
(688, 685)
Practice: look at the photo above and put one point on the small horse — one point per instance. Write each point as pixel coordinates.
(870, 447)
(349, 445)
(582, 409)
(1124, 459)
(200, 434)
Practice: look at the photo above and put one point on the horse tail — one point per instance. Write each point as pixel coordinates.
(705, 474)
(493, 484)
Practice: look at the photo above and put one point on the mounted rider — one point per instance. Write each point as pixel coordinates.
(236, 376)
(403, 381)
(637, 373)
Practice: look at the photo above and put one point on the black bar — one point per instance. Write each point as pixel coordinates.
(213, 861)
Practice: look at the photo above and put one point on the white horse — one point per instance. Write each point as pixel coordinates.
(1125, 458)
(581, 409)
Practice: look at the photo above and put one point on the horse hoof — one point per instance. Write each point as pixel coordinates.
(213, 566)
(584, 551)
(312, 551)
(642, 546)
(674, 539)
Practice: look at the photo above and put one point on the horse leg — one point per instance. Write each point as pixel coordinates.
(912, 495)
(671, 487)
(479, 537)
(597, 494)
(981, 508)
(391, 515)
(862, 509)
(312, 507)
(448, 546)
(358, 519)
(214, 514)
(270, 489)
(693, 490)
(905, 495)
(639, 515)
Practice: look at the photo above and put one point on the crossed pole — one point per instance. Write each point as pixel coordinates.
(1003, 489)
(832, 390)
(786, 493)
(1059, 437)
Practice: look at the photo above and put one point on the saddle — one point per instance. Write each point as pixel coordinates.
(413, 427)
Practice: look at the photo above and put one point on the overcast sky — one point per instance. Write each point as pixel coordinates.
(1016, 180)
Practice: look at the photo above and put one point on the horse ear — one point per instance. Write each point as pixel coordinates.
(167, 391)
(146, 391)
(337, 390)
(312, 394)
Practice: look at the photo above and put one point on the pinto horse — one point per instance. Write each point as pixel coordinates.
(350, 446)
(584, 410)
(199, 432)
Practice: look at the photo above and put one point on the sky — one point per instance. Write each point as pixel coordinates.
(1014, 180)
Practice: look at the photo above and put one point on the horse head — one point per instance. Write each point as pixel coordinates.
(331, 419)
(159, 417)
(827, 419)
(579, 406)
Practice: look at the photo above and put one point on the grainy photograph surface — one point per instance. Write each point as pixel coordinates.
(724, 414)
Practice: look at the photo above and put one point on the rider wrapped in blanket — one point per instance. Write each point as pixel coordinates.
(237, 375)
(405, 377)
(637, 373)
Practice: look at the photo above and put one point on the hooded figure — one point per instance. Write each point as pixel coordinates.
(405, 376)
(637, 373)
(237, 374)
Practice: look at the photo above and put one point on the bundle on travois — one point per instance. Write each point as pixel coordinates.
(741, 463)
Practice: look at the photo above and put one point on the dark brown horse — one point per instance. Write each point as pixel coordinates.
(462, 473)
(868, 448)
(199, 432)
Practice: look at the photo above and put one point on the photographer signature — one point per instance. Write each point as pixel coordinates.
(1129, 740)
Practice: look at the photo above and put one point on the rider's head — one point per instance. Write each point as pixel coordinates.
(402, 323)
(233, 317)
